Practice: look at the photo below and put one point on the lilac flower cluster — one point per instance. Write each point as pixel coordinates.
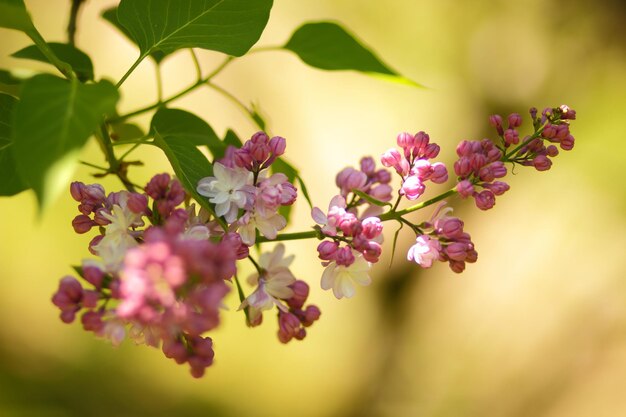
(413, 166)
(163, 271)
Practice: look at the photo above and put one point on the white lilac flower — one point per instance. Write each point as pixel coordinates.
(342, 279)
(117, 238)
(227, 190)
(273, 284)
(268, 226)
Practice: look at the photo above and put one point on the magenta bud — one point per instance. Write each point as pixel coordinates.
(158, 185)
(485, 200)
(457, 251)
(300, 294)
(412, 188)
(243, 159)
(76, 190)
(450, 227)
(277, 145)
(368, 165)
(93, 275)
(372, 252)
(465, 188)
(495, 120)
(567, 143)
(497, 187)
(552, 151)
(439, 174)
(511, 137)
(542, 163)
(92, 321)
(383, 176)
(100, 218)
(464, 148)
(457, 266)
(311, 314)
(405, 140)
(515, 120)
(533, 112)
(372, 227)
(344, 256)
(567, 113)
(381, 192)
(431, 150)
(82, 224)
(327, 250)
(137, 203)
(463, 167)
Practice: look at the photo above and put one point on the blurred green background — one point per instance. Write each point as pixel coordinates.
(536, 328)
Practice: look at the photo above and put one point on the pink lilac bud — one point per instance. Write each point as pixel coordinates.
(372, 252)
(327, 250)
(511, 137)
(300, 294)
(405, 140)
(82, 224)
(350, 179)
(431, 151)
(234, 239)
(372, 227)
(368, 165)
(464, 148)
(202, 357)
(382, 192)
(288, 326)
(533, 112)
(485, 199)
(311, 314)
(382, 176)
(567, 143)
(92, 321)
(449, 227)
(68, 298)
(93, 275)
(542, 163)
(497, 187)
(463, 167)
(259, 147)
(175, 349)
(393, 159)
(439, 174)
(456, 251)
(243, 159)
(277, 146)
(93, 243)
(412, 188)
(344, 256)
(76, 190)
(457, 266)
(465, 188)
(158, 185)
(515, 120)
(495, 120)
(552, 151)
(137, 203)
(421, 140)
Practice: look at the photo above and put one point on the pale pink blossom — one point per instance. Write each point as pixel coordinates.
(228, 189)
(425, 251)
(343, 279)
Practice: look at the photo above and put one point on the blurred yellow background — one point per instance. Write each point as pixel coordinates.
(536, 328)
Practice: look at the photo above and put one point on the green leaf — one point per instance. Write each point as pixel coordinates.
(371, 199)
(125, 131)
(13, 15)
(257, 117)
(10, 181)
(10, 83)
(52, 122)
(110, 15)
(189, 164)
(77, 59)
(328, 46)
(304, 190)
(229, 26)
(231, 138)
(182, 124)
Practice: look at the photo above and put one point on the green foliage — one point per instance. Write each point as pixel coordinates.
(371, 199)
(110, 15)
(229, 26)
(10, 83)
(181, 124)
(10, 182)
(13, 15)
(189, 164)
(125, 131)
(77, 59)
(328, 46)
(52, 122)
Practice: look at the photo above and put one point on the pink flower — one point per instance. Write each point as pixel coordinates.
(424, 251)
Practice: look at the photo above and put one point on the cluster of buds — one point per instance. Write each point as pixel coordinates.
(368, 180)
(413, 165)
(443, 239)
(479, 165)
(292, 323)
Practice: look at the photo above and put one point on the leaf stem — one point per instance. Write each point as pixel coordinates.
(131, 69)
(159, 83)
(175, 96)
(196, 63)
(62, 66)
(237, 102)
(71, 26)
(392, 215)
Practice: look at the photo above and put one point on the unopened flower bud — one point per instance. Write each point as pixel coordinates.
(372, 227)
(137, 203)
(344, 256)
(465, 188)
(542, 163)
(368, 165)
(515, 120)
(311, 314)
(327, 250)
(277, 146)
(485, 199)
(82, 224)
(495, 120)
